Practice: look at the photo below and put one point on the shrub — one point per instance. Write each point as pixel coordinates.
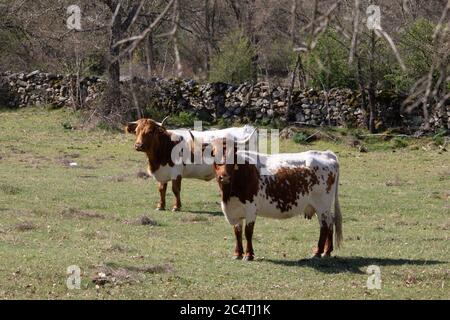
(278, 58)
(332, 71)
(300, 138)
(416, 48)
(439, 137)
(183, 119)
(398, 143)
(153, 111)
(233, 63)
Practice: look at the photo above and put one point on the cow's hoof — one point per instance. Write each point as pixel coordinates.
(237, 257)
(316, 256)
(248, 258)
(160, 209)
(326, 255)
(174, 209)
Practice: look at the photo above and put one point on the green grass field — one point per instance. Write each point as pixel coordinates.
(395, 208)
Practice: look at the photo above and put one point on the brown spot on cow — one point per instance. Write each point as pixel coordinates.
(235, 180)
(249, 253)
(286, 186)
(330, 181)
(240, 181)
(238, 249)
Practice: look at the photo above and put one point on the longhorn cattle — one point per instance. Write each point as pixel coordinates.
(158, 144)
(278, 186)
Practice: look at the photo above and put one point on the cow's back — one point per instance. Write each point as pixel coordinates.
(292, 183)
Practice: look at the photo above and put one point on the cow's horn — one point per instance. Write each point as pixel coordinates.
(192, 136)
(248, 138)
(164, 120)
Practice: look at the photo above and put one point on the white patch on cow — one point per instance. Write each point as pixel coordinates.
(166, 173)
(233, 210)
(198, 171)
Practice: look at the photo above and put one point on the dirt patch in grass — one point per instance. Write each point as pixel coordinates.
(446, 196)
(119, 178)
(76, 213)
(115, 275)
(66, 162)
(142, 175)
(10, 189)
(194, 219)
(25, 226)
(15, 149)
(72, 155)
(143, 220)
(395, 182)
(88, 176)
(119, 248)
(147, 221)
(444, 226)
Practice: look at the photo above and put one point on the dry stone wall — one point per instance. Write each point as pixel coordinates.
(245, 102)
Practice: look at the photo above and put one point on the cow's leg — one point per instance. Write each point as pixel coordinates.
(324, 233)
(238, 249)
(162, 187)
(176, 188)
(329, 243)
(249, 254)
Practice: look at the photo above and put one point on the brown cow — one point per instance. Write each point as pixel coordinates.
(158, 143)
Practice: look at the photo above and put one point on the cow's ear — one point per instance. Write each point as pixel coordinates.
(131, 127)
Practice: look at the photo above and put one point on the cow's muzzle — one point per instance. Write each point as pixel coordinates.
(224, 179)
(138, 146)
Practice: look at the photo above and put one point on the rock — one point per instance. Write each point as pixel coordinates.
(237, 111)
(299, 117)
(276, 94)
(32, 74)
(362, 149)
(22, 83)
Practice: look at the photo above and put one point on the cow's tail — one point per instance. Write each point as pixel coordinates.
(337, 215)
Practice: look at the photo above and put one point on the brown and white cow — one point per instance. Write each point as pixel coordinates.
(279, 186)
(158, 143)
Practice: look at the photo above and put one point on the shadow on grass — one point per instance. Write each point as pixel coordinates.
(213, 213)
(350, 264)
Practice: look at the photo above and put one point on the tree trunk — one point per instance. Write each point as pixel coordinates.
(113, 90)
(290, 114)
(293, 21)
(150, 56)
(254, 39)
(175, 21)
(210, 13)
(372, 84)
(362, 89)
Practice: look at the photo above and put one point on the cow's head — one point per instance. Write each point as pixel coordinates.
(224, 171)
(147, 133)
(225, 158)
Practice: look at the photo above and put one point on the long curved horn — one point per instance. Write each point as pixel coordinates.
(164, 120)
(248, 138)
(192, 136)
